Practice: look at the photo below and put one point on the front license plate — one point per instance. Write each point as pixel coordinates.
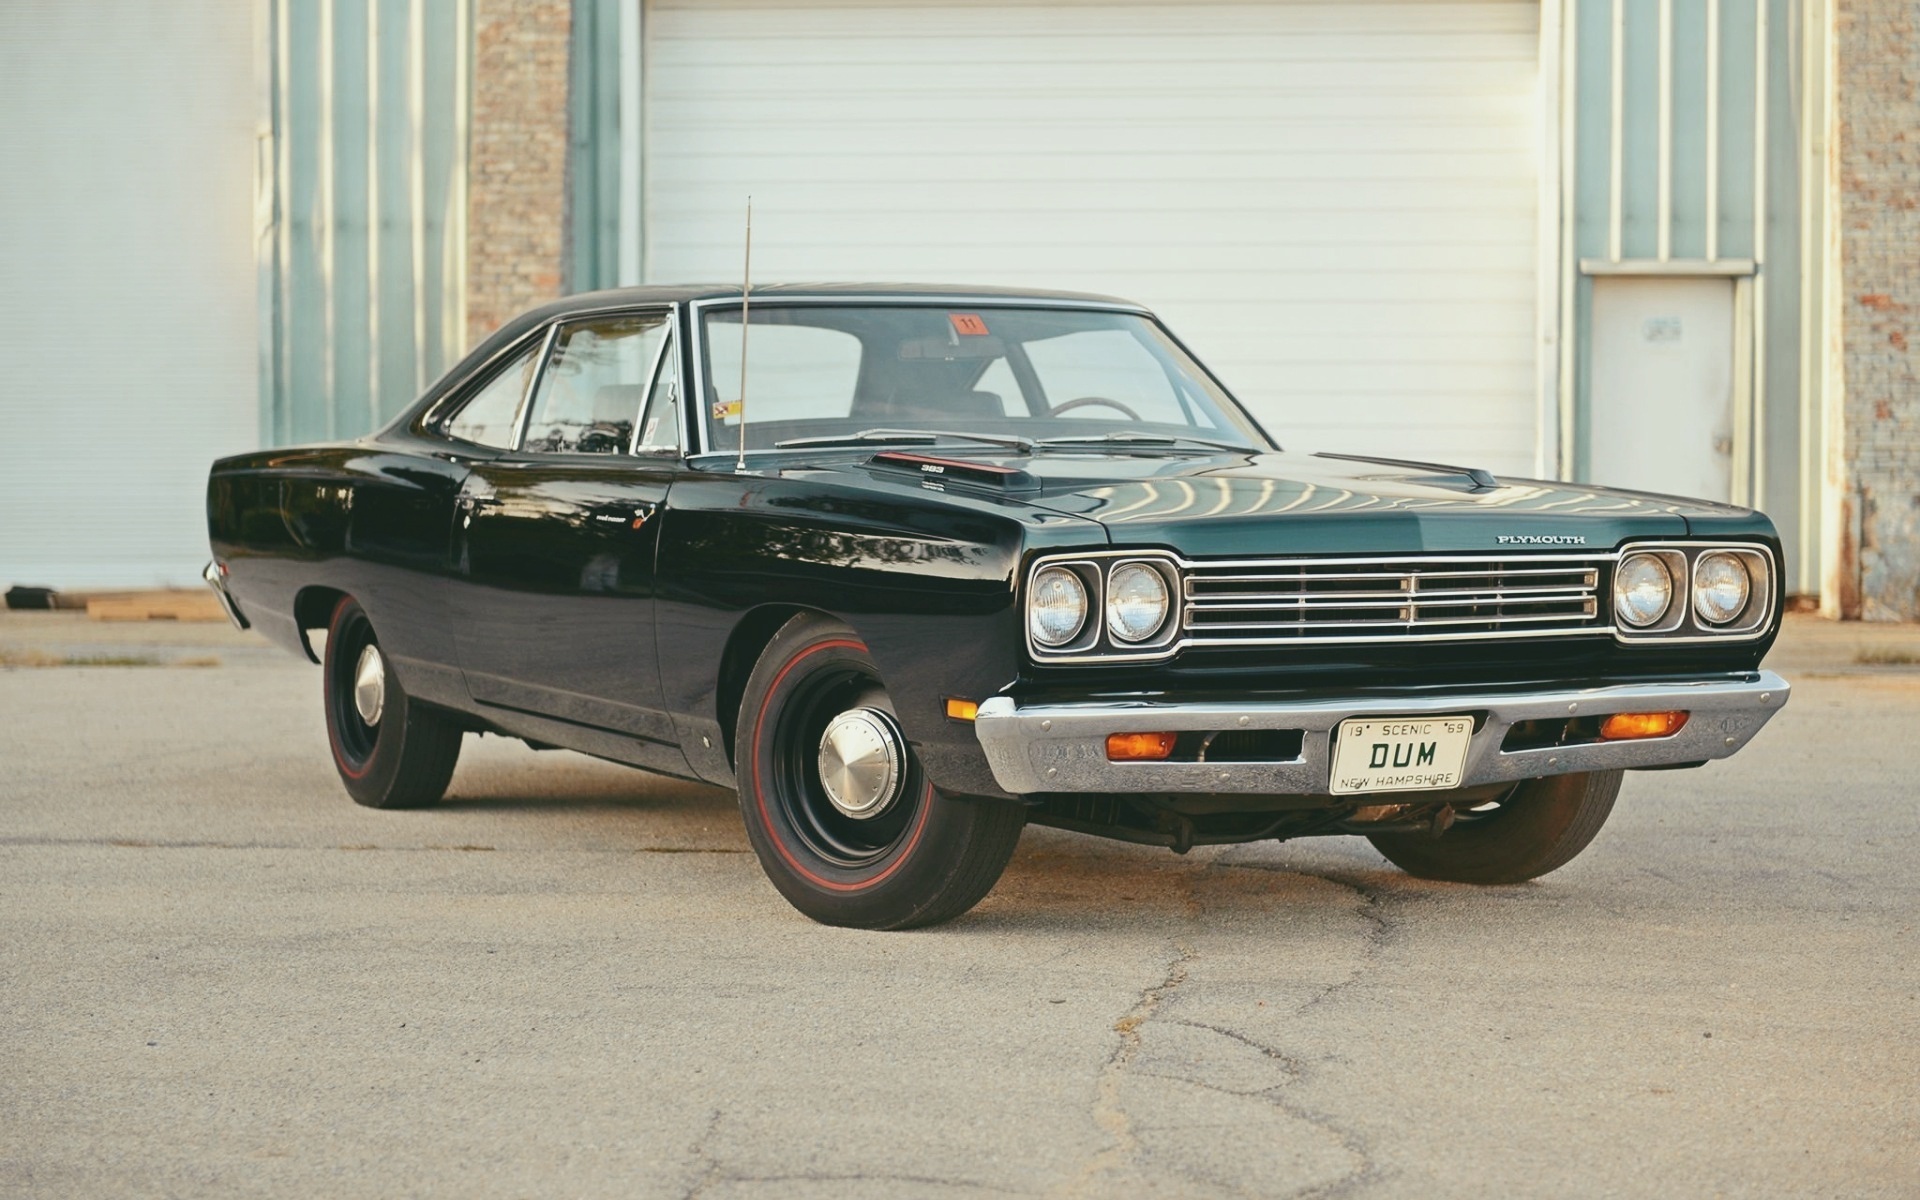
(1400, 754)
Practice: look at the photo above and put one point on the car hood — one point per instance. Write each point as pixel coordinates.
(1298, 503)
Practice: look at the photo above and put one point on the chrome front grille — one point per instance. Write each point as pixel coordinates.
(1422, 598)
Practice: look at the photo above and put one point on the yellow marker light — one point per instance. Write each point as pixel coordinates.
(962, 710)
(1139, 747)
(1626, 727)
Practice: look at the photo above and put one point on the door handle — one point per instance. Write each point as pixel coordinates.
(476, 503)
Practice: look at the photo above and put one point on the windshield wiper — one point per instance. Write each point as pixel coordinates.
(1142, 439)
(918, 436)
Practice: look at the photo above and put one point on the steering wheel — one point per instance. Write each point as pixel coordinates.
(1084, 401)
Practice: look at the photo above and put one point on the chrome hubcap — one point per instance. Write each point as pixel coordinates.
(370, 685)
(862, 760)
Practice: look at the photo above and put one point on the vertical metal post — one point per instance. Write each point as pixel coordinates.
(632, 211)
(375, 406)
(454, 260)
(283, 240)
(1761, 97)
(1813, 283)
(417, 187)
(1616, 148)
(1663, 170)
(1713, 130)
(328, 268)
(1568, 276)
(1550, 233)
(1746, 361)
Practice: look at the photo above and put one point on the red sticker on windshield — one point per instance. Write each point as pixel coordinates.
(968, 324)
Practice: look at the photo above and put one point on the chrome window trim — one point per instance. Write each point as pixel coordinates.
(660, 359)
(431, 423)
(697, 311)
(525, 412)
(654, 308)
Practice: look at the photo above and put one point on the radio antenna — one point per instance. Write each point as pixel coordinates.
(746, 302)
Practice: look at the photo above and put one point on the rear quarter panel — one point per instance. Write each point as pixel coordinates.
(367, 520)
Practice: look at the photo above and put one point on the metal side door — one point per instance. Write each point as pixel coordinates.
(557, 555)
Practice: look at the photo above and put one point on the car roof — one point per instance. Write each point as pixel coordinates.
(685, 292)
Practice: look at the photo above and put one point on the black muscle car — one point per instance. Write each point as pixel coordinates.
(912, 567)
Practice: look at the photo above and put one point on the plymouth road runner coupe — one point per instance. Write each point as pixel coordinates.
(959, 560)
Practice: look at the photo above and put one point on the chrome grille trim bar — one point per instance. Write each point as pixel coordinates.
(1418, 598)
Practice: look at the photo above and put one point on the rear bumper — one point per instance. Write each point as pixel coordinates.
(218, 583)
(1061, 747)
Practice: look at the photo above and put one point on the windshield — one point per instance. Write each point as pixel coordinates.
(823, 371)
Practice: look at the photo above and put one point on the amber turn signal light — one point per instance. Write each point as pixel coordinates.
(961, 710)
(1139, 747)
(1625, 727)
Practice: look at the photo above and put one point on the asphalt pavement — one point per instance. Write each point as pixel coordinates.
(219, 977)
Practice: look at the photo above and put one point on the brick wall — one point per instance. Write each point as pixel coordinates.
(1874, 563)
(517, 181)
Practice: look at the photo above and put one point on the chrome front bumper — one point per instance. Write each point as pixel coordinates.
(1062, 747)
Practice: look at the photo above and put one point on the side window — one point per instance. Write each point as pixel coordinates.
(660, 424)
(1110, 364)
(594, 385)
(486, 417)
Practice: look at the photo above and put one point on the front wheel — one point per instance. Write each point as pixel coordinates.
(391, 750)
(1537, 827)
(844, 820)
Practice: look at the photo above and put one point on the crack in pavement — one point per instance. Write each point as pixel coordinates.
(1376, 908)
(1108, 1113)
(1157, 1043)
(700, 1155)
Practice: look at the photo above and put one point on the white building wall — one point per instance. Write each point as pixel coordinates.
(1335, 203)
(127, 318)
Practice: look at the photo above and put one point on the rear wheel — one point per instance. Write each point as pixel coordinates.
(1537, 827)
(391, 750)
(843, 819)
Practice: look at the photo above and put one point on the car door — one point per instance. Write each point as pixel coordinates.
(556, 540)
(401, 510)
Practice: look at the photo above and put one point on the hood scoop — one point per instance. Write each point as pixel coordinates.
(936, 470)
(1480, 480)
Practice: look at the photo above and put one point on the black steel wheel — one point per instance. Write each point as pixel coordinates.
(391, 751)
(844, 821)
(1538, 826)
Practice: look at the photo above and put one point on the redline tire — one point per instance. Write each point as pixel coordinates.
(406, 758)
(1539, 827)
(926, 859)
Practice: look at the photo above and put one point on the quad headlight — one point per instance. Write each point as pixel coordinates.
(1642, 590)
(1104, 606)
(1057, 609)
(1687, 591)
(1721, 585)
(1137, 602)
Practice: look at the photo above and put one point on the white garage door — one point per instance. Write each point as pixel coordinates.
(1333, 203)
(127, 320)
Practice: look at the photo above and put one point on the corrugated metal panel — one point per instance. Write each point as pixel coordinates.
(363, 259)
(1687, 150)
(1335, 202)
(593, 128)
(126, 282)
